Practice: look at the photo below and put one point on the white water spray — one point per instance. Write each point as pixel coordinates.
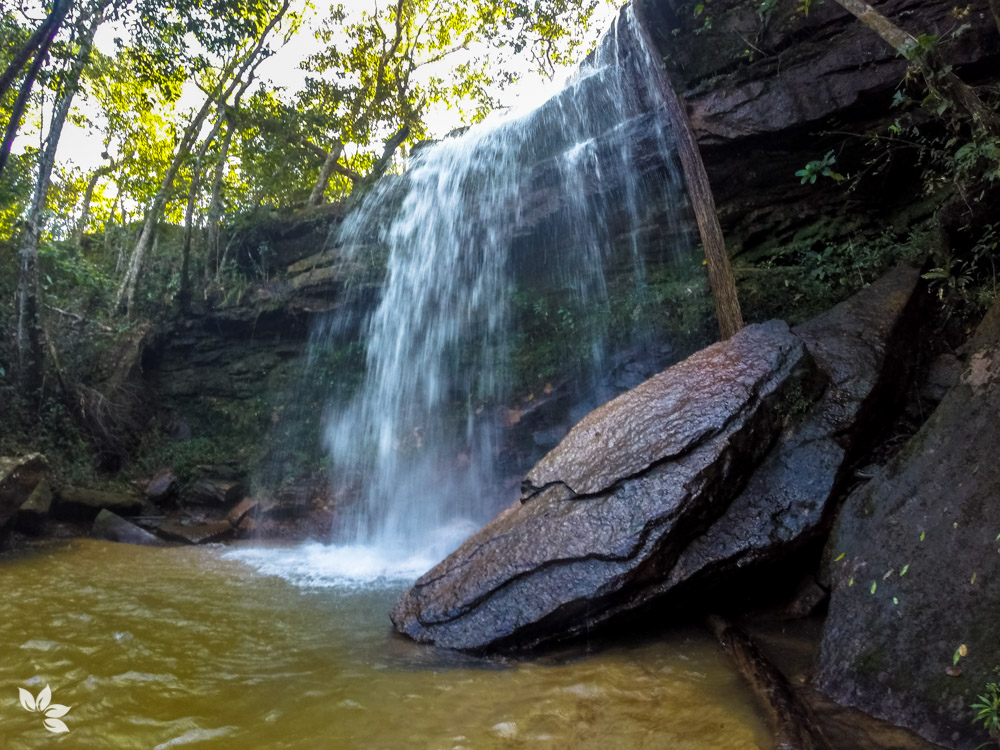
(555, 197)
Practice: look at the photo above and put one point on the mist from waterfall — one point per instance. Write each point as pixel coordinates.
(551, 198)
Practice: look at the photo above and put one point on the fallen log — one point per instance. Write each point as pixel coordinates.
(792, 723)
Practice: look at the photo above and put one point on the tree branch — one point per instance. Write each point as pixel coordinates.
(47, 29)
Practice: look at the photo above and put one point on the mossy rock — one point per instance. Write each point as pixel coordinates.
(914, 562)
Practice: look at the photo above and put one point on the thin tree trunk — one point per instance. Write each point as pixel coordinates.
(325, 172)
(360, 115)
(940, 80)
(30, 354)
(17, 112)
(379, 167)
(215, 202)
(41, 38)
(720, 272)
(184, 293)
(88, 197)
(126, 290)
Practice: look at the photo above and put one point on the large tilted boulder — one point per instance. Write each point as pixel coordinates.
(607, 511)
(636, 499)
(915, 566)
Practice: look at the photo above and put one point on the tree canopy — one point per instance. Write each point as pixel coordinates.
(167, 117)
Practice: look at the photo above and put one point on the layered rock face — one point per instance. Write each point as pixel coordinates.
(644, 494)
(915, 568)
(770, 88)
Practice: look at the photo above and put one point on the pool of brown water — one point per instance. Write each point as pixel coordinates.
(178, 647)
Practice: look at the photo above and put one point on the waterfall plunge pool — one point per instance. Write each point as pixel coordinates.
(230, 647)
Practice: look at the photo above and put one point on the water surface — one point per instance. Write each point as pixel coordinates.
(163, 648)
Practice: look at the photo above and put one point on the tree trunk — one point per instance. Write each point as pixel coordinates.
(791, 721)
(126, 290)
(30, 354)
(939, 79)
(184, 293)
(379, 167)
(325, 172)
(360, 114)
(720, 272)
(17, 112)
(42, 38)
(88, 197)
(215, 202)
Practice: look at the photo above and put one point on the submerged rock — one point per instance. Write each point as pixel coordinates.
(675, 482)
(605, 514)
(114, 528)
(916, 572)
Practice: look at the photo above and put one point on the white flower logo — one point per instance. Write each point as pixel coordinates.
(52, 713)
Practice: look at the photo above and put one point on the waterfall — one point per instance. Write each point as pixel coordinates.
(519, 223)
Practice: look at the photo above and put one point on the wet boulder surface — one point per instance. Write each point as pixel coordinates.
(636, 500)
(607, 510)
(863, 346)
(914, 562)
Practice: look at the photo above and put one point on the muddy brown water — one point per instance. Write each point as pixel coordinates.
(179, 647)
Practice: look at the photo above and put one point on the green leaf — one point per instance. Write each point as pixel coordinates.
(840, 557)
(873, 587)
(903, 571)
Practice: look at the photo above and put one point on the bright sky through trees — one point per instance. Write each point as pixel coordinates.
(81, 145)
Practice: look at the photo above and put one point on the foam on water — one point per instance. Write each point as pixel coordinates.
(350, 566)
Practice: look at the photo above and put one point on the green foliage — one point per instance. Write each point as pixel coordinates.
(987, 708)
(71, 279)
(802, 278)
(820, 168)
(979, 157)
(971, 280)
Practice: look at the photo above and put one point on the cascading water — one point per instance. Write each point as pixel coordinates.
(525, 218)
